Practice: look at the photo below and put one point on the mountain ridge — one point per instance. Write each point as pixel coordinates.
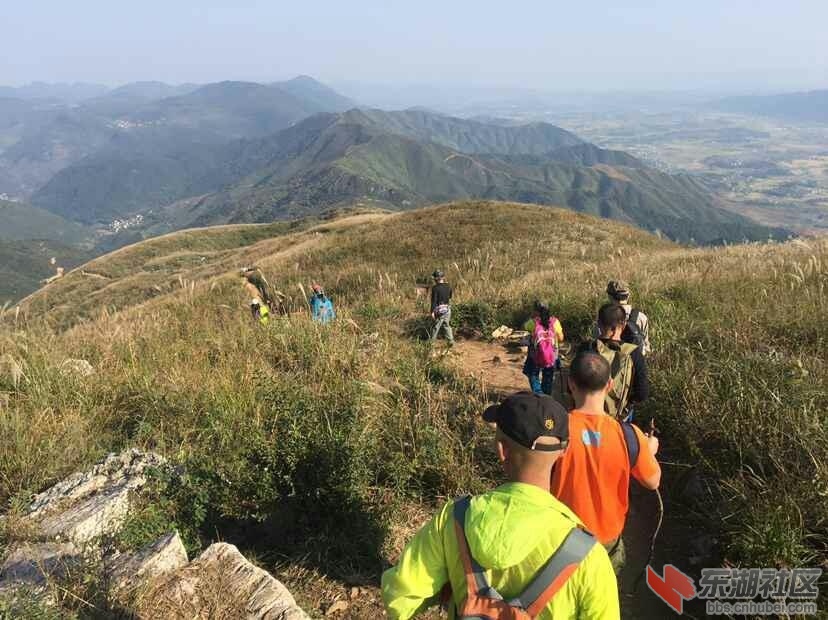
(53, 139)
(343, 160)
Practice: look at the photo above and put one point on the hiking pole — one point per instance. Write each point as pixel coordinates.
(657, 530)
(651, 555)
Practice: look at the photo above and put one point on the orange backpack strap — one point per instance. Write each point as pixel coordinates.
(476, 581)
(556, 572)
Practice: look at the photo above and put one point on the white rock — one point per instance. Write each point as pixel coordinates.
(93, 503)
(504, 331)
(81, 368)
(129, 572)
(102, 513)
(221, 583)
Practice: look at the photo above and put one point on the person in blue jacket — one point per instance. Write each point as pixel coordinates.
(322, 310)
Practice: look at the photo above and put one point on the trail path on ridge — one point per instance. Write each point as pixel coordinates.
(498, 366)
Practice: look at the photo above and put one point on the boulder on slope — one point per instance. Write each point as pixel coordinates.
(221, 583)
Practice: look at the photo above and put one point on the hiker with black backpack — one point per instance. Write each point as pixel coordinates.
(542, 356)
(593, 475)
(637, 329)
(515, 552)
(628, 368)
(441, 307)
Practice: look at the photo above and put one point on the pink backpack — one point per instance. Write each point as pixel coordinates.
(546, 344)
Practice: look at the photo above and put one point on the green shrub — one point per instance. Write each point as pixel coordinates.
(473, 317)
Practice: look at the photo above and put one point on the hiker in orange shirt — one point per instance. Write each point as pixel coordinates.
(593, 475)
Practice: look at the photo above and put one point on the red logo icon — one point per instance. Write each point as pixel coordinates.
(673, 588)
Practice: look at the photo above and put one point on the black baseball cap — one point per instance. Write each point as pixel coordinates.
(524, 417)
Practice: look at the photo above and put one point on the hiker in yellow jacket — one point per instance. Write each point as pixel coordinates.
(260, 311)
(502, 539)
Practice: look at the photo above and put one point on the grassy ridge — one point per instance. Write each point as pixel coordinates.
(139, 272)
(358, 430)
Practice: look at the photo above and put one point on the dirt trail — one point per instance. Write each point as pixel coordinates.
(499, 366)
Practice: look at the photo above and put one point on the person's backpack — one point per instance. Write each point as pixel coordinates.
(545, 344)
(621, 373)
(257, 279)
(632, 333)
(483, 601)
(326, 312)
(322, 309)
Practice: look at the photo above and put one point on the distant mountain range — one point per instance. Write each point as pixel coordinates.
(175, 155)
(808, 107)
(109, 167)
(65, 93)
(389, 159)
(38, 140)
(125, 99)
(407, 159)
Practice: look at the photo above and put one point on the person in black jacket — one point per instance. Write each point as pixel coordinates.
(441, 307)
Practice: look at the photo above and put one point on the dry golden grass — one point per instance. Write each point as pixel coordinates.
(361, 420)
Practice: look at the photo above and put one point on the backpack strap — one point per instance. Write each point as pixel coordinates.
(615, 364)
(631, 439)
(627, 348)
(633, 318)
(475, 574)
(554, 575)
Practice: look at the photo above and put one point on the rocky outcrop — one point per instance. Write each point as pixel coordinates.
(93, 503)
(221, 583)
(129, 573)
(60, 527)
(63, 527)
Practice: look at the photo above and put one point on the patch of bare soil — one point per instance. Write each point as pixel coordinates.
(498, 366)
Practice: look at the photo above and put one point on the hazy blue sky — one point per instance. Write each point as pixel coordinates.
(550, 44)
